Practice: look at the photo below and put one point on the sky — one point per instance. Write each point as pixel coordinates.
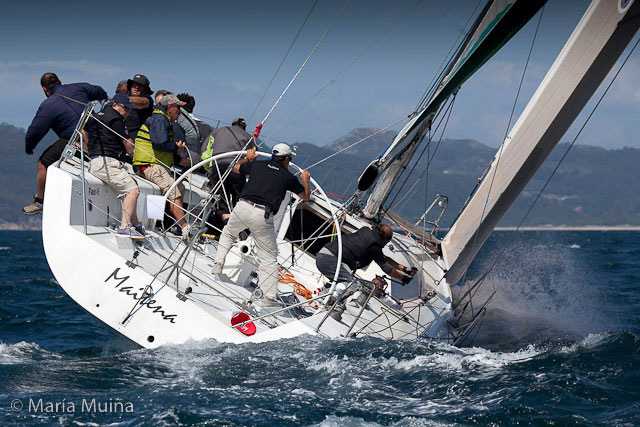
(225, 54)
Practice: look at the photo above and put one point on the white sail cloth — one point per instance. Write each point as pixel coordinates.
(595, 45)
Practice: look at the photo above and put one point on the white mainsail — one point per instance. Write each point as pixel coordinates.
(595, 45)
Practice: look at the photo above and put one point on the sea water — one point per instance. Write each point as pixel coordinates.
(559, 345)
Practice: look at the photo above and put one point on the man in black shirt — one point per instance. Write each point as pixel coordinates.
(107, 146)
(260, 200)
(358, 250)
(139, 91)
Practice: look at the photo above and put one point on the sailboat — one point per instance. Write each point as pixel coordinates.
(160, 291)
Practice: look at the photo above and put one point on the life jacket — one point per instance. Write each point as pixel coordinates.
(208, 153)
(144, 153)
(103, 141)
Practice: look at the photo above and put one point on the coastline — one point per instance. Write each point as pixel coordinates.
(624, 227)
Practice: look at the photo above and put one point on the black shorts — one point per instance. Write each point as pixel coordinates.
(53, 152)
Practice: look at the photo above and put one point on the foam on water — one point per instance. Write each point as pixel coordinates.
(543, 292)
(24, 352)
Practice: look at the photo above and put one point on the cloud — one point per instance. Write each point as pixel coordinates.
(245, 87)
(497, 73)
(83, 66)
(626, 89)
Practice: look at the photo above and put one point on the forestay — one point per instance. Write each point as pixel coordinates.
(595, 45)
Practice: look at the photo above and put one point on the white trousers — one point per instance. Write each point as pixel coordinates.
(246, 216)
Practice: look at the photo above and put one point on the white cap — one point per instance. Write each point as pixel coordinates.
(282, 150)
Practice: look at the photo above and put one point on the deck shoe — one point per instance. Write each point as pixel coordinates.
(130, 232)
(140, 229)
(34, 208)
(217, 268)
(185, 233)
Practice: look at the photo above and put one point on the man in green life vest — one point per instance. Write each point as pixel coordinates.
(153, 155)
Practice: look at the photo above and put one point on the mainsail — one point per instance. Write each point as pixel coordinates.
(495, 25)
(595, 45)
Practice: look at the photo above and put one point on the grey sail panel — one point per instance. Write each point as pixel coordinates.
(595, 45)
(497, 23)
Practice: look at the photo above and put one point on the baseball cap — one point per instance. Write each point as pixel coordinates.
(239, 122)
(282, 150)
(168, 100)
(123, 98)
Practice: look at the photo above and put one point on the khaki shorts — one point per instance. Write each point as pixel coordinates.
(114, 173)
(161, 176)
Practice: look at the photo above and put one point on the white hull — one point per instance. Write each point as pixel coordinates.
(100, 273)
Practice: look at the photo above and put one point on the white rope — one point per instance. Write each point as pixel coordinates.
(334, 78)
(306, 60)
(283, 59)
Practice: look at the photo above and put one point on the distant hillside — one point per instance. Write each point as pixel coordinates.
(593, 186)
(18, 175)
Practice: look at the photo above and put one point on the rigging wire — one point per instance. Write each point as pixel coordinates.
(440, 70)
(448, 112)
(499, 256)
(305, 62)
(356, 143)
(283, 59)
(442, 119)
(334, 78)
(499, 155)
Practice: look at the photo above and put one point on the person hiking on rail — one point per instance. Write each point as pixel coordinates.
(60, 112)
(358, 250)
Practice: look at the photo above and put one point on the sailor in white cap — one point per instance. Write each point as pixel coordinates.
(268, 183)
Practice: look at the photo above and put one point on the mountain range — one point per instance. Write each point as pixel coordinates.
(592, 186)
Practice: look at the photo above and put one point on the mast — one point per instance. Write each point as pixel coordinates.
(601, 36)
(496, 24)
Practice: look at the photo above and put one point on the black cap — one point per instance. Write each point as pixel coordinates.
(239, 122)
(123, 98)
(143, 80)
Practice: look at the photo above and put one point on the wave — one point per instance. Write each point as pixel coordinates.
(24, 352)
(542, 292)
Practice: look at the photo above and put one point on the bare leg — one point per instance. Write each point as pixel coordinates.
(129, 214)
(41, 179)
(175, 206)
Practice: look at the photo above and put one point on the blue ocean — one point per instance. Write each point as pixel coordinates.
(559, 345)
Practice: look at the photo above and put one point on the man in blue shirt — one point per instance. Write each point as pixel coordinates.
(60, 112)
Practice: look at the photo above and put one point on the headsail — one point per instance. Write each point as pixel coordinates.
(595, 45)
(497, 23)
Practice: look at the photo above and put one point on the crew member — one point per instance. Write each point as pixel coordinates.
(153, 154)
(107, 147)
(260, 200)
(224, 140)
(60, 112)
(358, 250)
(140, 95)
